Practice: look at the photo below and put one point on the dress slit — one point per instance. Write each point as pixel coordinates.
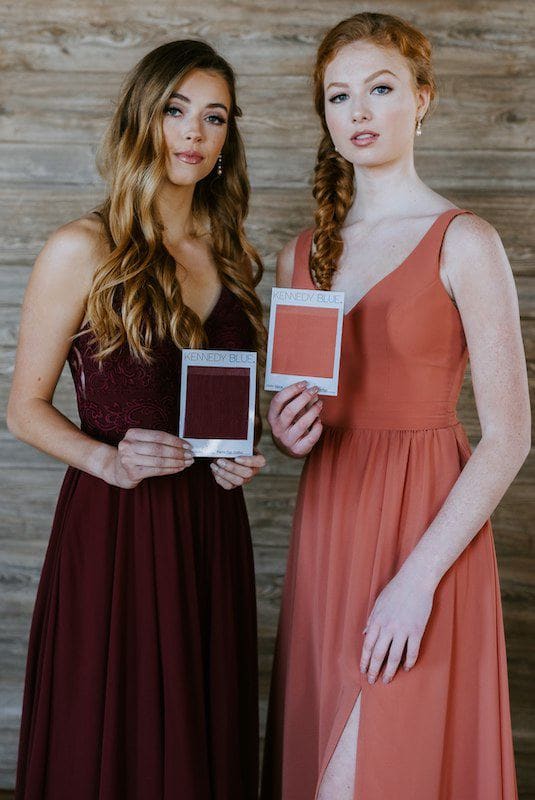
(327, 761)
(391, 450)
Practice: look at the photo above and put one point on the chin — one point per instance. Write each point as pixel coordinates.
(370, 158)
(183, 178)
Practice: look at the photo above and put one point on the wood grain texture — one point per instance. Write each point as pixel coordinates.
(62, 64)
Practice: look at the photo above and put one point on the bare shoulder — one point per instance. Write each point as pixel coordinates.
(469, 236)
(285, 263)
(476, 266)
(63, 275)
(77, 247)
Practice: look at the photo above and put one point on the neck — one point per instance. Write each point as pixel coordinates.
(388, 190)
(174, 206)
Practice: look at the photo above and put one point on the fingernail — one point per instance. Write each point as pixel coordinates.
(302, 384)
(221, 462)
(186, 446)
(314, 389)
(214, 467)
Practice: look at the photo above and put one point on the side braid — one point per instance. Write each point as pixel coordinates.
(333, 192)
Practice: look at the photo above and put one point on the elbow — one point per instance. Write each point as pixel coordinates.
(16, 413)
(527, 446)
(12, 421)
(513, 444)
(522, 436)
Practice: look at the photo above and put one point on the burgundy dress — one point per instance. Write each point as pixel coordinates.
(141, 679)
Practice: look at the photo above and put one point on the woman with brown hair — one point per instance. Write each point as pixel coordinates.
(142, 667)
(392, 562)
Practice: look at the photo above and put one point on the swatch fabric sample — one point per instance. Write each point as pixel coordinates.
(141, 681)
(390, 452)
(217, 403)
(304, 341)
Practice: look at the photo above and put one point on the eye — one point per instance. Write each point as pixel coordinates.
(172, 111)
(382, 89)
(338, 98)
(216, 119)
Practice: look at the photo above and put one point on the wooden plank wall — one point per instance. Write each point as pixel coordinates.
(62, 62)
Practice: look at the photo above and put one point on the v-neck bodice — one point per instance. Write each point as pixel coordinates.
(126, 392)
(403, 346)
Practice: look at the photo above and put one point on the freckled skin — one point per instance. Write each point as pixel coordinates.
(391, 210)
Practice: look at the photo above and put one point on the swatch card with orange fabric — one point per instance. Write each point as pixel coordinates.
(304, 340)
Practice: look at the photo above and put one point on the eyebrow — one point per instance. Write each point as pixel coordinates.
(369, 78)
(185, 99)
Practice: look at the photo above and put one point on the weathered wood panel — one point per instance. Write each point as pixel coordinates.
(24, 164)
(61, 67)
(44, 107)
(488, 37)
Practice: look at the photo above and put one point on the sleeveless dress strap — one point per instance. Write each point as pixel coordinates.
(428, 249)
(301, 278)
(438, 231)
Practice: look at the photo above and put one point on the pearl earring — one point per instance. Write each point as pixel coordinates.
(418, 127)
(219, 165)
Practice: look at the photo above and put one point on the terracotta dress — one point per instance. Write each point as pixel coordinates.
(141, 681)
(391, 450)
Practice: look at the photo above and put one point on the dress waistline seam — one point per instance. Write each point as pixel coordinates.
(413, 427)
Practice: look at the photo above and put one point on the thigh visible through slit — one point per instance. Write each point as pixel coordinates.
(338, 780)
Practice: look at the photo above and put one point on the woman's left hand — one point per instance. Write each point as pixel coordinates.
(232, 472)
(398, 618)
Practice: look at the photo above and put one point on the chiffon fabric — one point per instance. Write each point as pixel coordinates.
(141, 680)
(391, 450)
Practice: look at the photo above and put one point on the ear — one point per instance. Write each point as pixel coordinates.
(423, 99)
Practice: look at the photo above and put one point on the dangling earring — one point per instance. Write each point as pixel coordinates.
(419, 127)
(219, 165)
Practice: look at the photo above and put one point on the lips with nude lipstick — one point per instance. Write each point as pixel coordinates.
(364, 138)
(190, 157)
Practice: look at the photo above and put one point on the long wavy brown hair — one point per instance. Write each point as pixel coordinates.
(334, 177)
(135, 295)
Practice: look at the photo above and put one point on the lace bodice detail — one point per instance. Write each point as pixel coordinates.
(127, 393)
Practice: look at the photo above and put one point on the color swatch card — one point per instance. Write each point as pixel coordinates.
(305, 337)
(217, 402)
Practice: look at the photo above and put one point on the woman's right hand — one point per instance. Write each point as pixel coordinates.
(145, 453)
(294, 418)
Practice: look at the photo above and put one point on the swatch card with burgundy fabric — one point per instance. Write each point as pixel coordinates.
(217, 402)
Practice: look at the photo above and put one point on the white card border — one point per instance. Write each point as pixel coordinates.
(276, 381)
(229, 448)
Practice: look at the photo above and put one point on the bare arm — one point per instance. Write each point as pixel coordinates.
(294, 412)
(53, 310)
(479, 274)
(482, 281)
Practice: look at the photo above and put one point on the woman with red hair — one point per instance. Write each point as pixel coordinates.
(392, 569)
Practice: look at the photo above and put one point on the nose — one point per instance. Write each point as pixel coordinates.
(360, 113)
(193, 133)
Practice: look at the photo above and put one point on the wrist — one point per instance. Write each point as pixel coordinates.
(101, 462)
(425, 575)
